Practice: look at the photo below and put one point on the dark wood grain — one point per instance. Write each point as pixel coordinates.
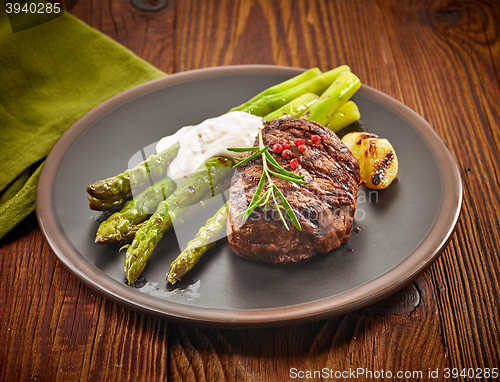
(441, 58)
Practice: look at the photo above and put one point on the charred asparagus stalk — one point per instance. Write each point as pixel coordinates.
(343, 117)
(119, 226)
(202, 242)
(294, 108)
(281, 87)
(106, 204)
(347, 114)
(212, 174)
(121, 185)
(316, 85)
(337, 94)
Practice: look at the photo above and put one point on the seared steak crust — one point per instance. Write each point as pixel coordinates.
(325, 206)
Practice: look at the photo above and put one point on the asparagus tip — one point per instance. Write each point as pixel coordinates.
(171, 278)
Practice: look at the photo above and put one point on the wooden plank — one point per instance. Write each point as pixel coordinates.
(364, 339)
(440, 58)
(452, 88)
(150, 35)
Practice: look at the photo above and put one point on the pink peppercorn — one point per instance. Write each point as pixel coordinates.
(315, 139)
(287, 154)
(299, 141)
(287, 145)
(323, 136)
(302, 148)
(277, 148)
(294, 163)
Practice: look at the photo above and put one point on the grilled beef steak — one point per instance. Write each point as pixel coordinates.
(325, 206)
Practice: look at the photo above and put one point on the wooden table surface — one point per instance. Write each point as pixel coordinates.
(439, 57)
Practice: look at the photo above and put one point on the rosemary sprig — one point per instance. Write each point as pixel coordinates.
(262, 197)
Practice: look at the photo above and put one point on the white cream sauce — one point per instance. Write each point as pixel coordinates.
(210, 138)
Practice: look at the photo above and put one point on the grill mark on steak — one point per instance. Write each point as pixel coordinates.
(325, 206)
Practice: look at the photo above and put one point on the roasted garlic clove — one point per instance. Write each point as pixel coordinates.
(376, 156)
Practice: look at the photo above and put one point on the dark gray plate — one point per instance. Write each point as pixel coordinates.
(400, 230)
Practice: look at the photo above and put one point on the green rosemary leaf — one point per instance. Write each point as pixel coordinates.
(288, 208)
(280, 169)
(266, 201)
(287, 177)
(242, 149)
(256, 197)
(279, 210)
(259, 189)
(249, 158)
(251, 207)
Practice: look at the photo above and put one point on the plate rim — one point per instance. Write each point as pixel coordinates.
(363, 295)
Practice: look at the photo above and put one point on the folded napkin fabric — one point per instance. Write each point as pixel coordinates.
(50, 76)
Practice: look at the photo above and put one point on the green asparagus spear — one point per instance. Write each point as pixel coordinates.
(316, 85)
(347, 114)
(132, 229)
(136, 177)
(203, 241)
(203, 182)
(337, 94)
(105, 204)
(118, 226)
(281, 87)
(294, 108)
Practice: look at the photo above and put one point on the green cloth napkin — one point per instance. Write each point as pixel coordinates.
(50, 76)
